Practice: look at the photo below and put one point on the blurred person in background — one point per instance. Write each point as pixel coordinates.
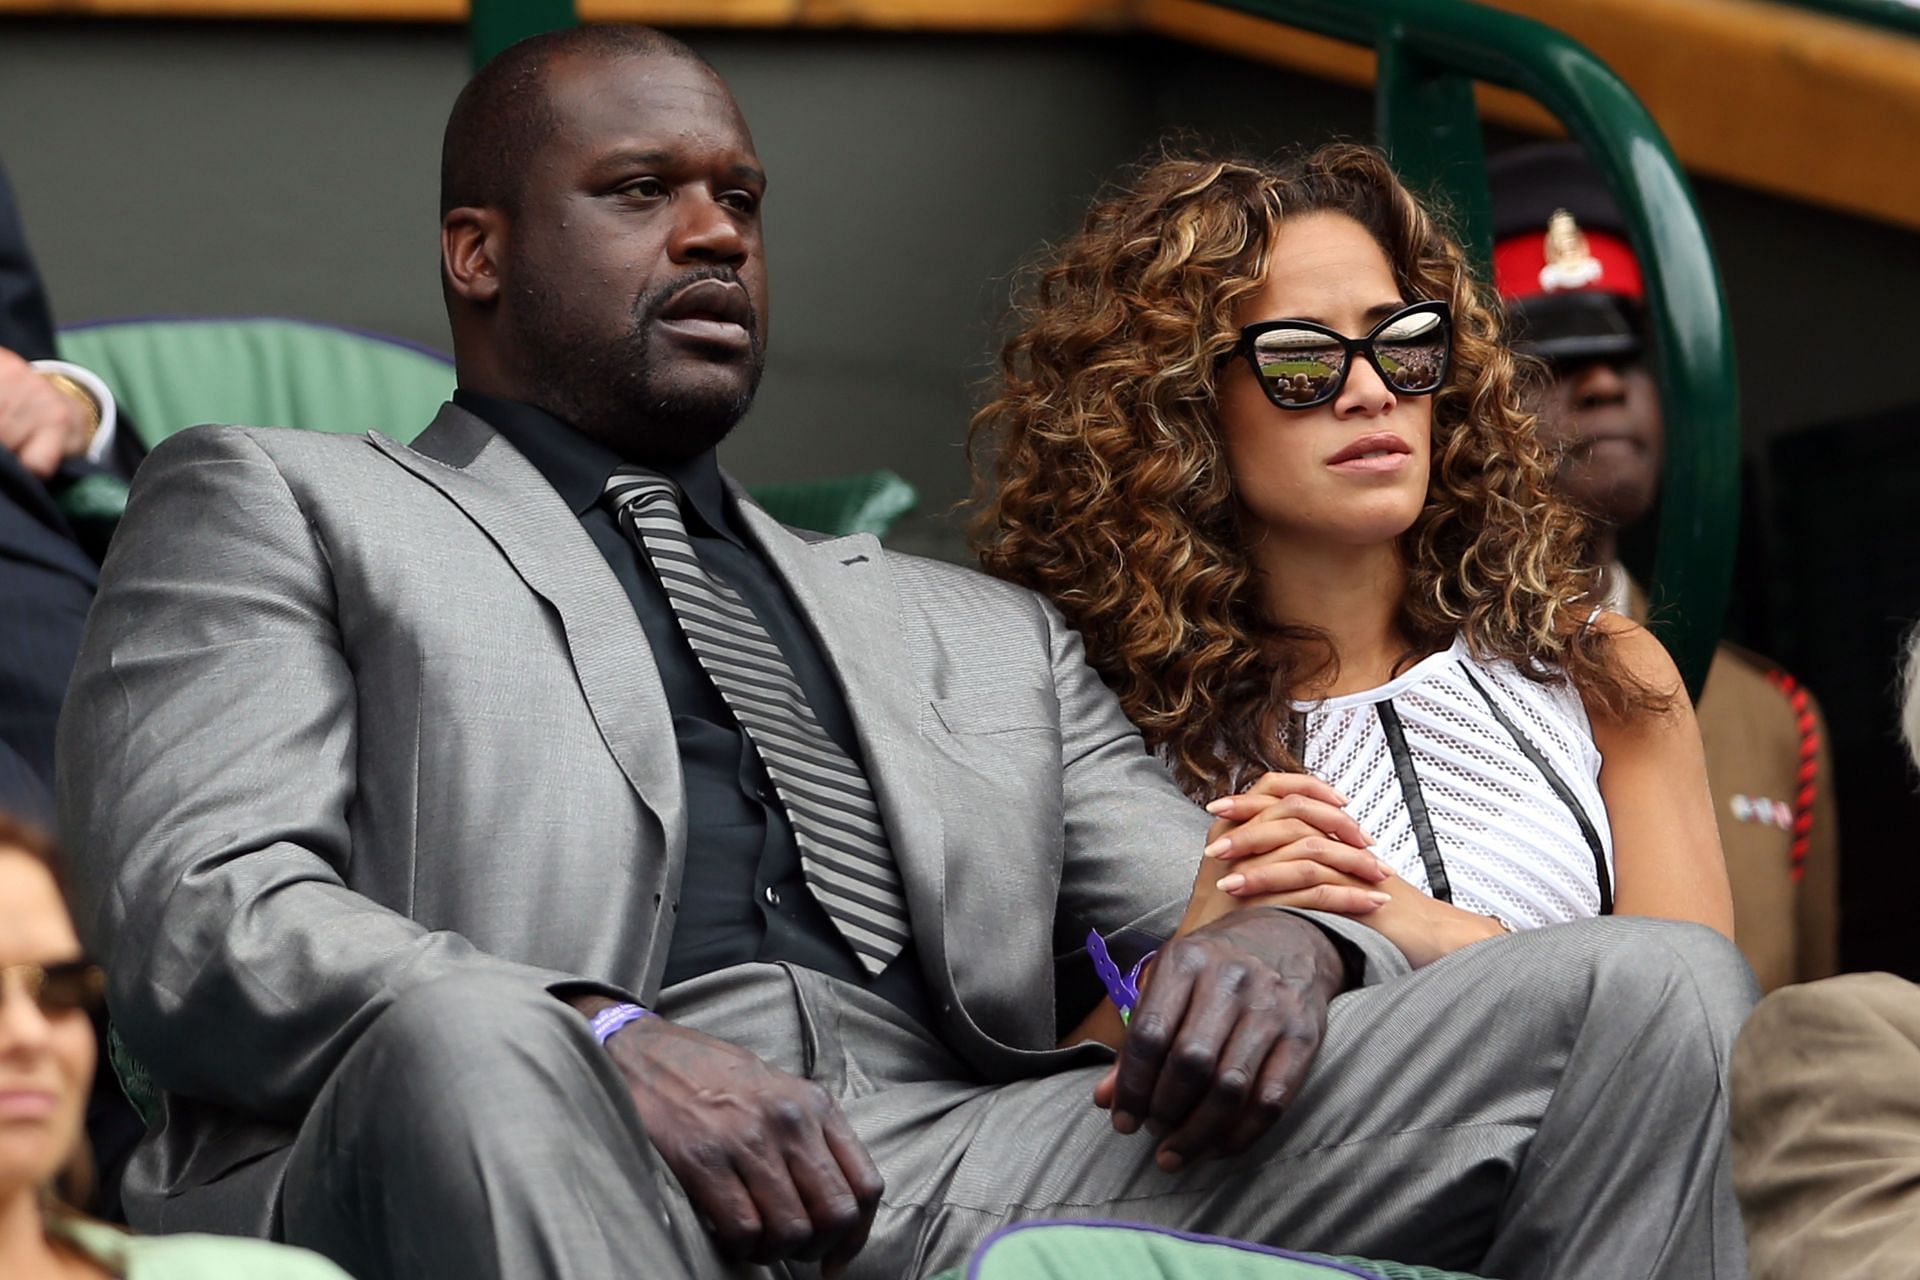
(1573, 286)
(58, 424)
(47, 1061)
(1826, 1112)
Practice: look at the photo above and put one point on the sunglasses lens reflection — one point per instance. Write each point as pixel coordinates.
(1413, 352)
(1299, 366)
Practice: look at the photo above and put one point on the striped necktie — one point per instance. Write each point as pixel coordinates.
(843, 846)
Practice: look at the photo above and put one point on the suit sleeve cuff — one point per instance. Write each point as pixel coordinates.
(98, 449)
(1370, 959)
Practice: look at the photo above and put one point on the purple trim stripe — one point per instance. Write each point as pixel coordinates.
(1192, 1237)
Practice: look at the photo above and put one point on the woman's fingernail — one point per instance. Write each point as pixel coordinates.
(1342, 799)
(1380, 899)
(1381, 869)
(1123, 1122)
(1217, 848)
(1170, 1161)
(1230, 884)
(1221, 805)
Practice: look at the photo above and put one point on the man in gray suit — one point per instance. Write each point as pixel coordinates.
(516, 855)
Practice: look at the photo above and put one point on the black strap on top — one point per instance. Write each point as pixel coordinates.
(1437, 883)
(1297, 736)
(1560, 788)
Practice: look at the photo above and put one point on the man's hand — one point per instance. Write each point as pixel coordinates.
(39, 424)
(767, 1158)
(1231, 1017)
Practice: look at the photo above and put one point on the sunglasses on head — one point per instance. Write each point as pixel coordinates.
(1301, 364)
(55, 988)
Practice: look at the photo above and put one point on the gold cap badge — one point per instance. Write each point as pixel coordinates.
(1570, 263)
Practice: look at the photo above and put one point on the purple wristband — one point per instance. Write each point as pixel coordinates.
(616, 1016)
(1123, 991)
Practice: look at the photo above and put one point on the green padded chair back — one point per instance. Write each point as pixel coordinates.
(175, 374)
(172, 374)
(867, 503)
(1070, 1250)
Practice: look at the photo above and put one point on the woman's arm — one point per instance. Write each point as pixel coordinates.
(1653, 777)
(1296, 810)
(1306, 852)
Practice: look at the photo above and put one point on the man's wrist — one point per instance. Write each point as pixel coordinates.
(595, 1005)
(78, 394)
(1333, 969)
(616, 1017)
(87, 390)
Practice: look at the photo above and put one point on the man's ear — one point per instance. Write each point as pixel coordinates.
(472, 244)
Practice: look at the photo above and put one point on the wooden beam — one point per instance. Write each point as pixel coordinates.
(251, 10)
(1793, 102)
(989, 16)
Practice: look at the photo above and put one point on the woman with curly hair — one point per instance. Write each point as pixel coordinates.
(1261, 440)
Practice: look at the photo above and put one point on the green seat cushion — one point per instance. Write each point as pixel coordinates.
(867, 503)
(191, 1257)
(171, 374)
(1068, 1250)
(175, 374)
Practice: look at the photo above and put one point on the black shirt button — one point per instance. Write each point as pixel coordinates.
(773, 896)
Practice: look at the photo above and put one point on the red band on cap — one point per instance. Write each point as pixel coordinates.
(1520, 268)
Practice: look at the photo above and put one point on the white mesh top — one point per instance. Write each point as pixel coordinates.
(1517, 826)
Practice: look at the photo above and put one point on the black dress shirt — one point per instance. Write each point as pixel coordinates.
(743, 895)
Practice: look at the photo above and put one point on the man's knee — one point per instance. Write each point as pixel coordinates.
(488, 1027)
(1634, 969)
(1851, 999)
(443, 1065)
(1685, 974)
(1831, 1019)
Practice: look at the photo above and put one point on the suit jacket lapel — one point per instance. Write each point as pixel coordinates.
(846, 595)
(513, 504)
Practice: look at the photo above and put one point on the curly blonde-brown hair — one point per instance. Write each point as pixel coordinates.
(1110, 492)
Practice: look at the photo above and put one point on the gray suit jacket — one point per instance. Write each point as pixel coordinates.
(350, 715)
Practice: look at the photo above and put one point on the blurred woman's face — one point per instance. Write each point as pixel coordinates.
(1352, 471)
(46, 1058)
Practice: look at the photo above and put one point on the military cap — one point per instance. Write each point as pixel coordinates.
(1561, 259)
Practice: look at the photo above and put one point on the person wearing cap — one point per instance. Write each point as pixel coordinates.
(1569, 277)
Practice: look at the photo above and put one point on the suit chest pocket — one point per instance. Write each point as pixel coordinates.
(992, 712)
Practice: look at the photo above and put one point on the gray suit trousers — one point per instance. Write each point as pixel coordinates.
(1546, 1104)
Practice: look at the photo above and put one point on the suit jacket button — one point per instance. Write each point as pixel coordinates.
(773, 896)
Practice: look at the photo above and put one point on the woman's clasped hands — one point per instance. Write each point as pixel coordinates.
(1289, 841)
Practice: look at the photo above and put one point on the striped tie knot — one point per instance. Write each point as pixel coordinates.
(631, 486)
(844, 851)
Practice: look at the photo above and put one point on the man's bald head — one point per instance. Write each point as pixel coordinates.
(600, 247)
(504, 115)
